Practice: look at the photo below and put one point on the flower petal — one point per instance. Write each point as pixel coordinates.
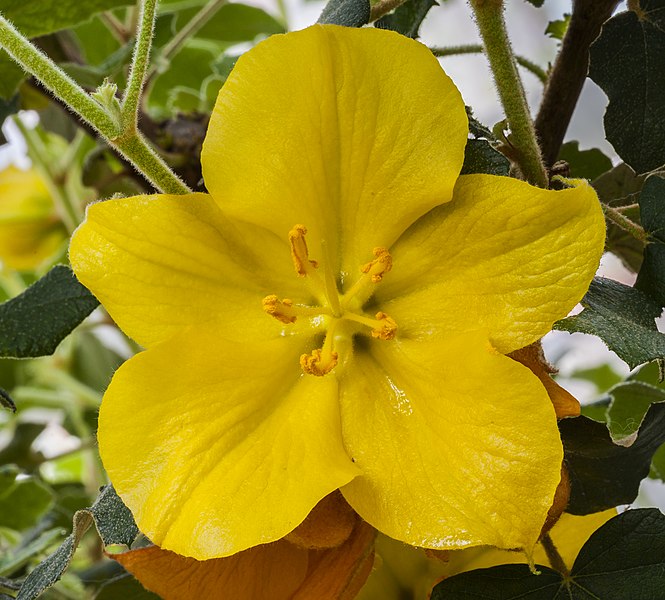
(217, 446)
(354, 133)
(458, 444)
(162, 263)
(503, 256)
(277, 571)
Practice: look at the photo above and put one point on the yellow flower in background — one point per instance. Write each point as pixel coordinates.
(30, 231)
(336, 313)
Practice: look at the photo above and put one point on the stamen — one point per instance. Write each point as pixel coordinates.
(383, 327)
(286, 312)
(380, 265)
(322, 360)
(282, 310)
(299, 252)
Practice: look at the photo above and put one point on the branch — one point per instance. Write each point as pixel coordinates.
(568, 74)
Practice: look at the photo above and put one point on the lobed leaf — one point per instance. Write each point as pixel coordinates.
(602, 473)
(115, 525)
(406, 19)
(627, 61)
(623, 317)
(35, 322)
(624, 559)
(481, 157)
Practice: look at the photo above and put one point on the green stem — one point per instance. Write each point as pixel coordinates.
(55, 80)
(188, 30)
(139, 66)
(489, 18)
(478, 49)
(129, 142)
(383, 7)
(620, 220)
(115, 26)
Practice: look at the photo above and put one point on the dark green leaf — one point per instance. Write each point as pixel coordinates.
(629, 403)
(557, 29)
(651, 278)
(627, 61)
(536, 3)
(658, 464)
(623, 317)
(476, 128)
(125, 587)
(587, 164)
(6, 401)
(45, 16)
(623, 560)
(34, 323)
(93, 362)
(480, 157)
(407, 18)
(115, 525)
(350, 13)
(603, 474)
(23, 500)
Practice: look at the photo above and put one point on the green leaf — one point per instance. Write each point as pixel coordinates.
(658, 464)
(623, 317)
(629, 403)
(35, 322)
(557, 29)
(114, 524)
(603, 474)
(47, 16)
(18, 450)
(126, 587)
(6, 401)
(16, 558)
(623, 560)
(350, 13)
(587, 164)
(627, 61)
(407, 18)
(651, 278)
(480, 157)
(536, 3)
(23, 500)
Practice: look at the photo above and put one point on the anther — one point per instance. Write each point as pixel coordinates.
(299, 251)
(320, 362)
(379, 265)
(387, 327)
(282, 310)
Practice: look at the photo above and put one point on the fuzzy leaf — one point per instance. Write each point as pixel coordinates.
(350, 13)
(627, 61)
(35, 322)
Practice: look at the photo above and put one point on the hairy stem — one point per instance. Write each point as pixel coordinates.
(478, 49)
(489, 18)
(189, 29)
(622, 221)
(126, 140)
(553, 555)
(568, 74)
(139, 66)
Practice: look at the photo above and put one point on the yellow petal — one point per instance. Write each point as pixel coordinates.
(458, 444)
(30, 231)
(217, 446)
(353, 132)
(162, 263)
(502, 256)
(277, 571)
(569, 534)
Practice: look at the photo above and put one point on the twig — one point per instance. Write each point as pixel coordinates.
(568, 74)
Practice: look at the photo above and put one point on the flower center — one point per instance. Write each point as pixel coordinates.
(341, 313)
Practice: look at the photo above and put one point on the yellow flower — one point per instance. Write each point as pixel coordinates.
(377, 366)
(30, 231)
